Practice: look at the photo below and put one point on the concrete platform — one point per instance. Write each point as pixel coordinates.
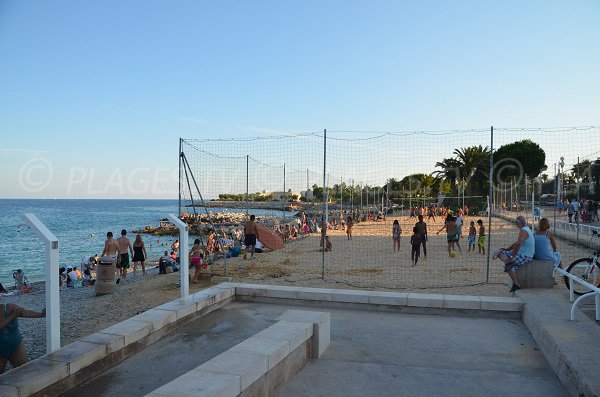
(371, 353)
(571, 347)
(381, 354)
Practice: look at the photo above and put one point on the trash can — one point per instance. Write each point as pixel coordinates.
(105, 277)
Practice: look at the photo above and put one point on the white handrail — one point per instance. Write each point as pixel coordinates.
(595, 292)
(588, 229)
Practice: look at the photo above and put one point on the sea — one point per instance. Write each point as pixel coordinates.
(80, 227)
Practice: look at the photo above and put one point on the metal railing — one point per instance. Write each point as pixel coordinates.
(586, 230)
(595, 292)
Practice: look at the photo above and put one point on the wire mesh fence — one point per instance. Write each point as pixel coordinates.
(359, 184)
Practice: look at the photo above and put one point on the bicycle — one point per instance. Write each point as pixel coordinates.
(587, 269)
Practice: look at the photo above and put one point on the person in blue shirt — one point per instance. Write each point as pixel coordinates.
(545, 244)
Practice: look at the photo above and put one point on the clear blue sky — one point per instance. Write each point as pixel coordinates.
(90, 91)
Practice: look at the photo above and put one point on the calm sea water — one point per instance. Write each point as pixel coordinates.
(80, 226)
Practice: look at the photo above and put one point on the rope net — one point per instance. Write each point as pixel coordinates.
(376, 179)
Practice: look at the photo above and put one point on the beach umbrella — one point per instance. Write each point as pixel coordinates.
(269, 238)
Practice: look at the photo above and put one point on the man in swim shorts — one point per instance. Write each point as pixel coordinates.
(123, 262)
(250, 236)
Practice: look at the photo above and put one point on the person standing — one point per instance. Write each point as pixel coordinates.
(250, 236)
(139, 253)
(576, 209)
(196, 260)
(459, 222)
(415, 243)
(125, 249)
(12, 347)
(323, 225)
(451, 234)
(349, 225)
(570, 209)
(431, 213)
(422, 230)
(109, 253)
(396, 233)
(110, 246)
(472, 234)
(481, 240)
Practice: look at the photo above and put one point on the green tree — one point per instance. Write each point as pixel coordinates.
(526, 153)
(474, 168)
(448, 174)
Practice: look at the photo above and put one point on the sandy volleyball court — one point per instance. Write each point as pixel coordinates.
(368, 260)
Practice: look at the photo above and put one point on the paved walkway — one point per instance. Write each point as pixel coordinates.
(372, 353)
(387, 354)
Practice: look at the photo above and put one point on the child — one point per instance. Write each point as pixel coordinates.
(415, 242)
(349, 224)
(481, 241)
(472, 234)
(328, 245)
(396, 233)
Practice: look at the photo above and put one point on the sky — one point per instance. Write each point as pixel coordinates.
(94, 96)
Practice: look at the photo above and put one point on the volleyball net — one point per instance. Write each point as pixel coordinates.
(295, 183)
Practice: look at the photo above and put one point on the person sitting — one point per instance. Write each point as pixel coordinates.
(519, 253)
(12, 347)
(21, 284)
(62, 278)
(545, 244)
(87, 265)
(75, 276)
(163, 262)
(328, 245)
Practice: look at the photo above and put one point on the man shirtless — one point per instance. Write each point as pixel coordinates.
(422, 231)
(123, 262)
(111, 247)
(250, 236)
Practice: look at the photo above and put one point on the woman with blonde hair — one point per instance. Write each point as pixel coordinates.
(545, 244)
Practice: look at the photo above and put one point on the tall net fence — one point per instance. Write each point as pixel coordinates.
(296, 184)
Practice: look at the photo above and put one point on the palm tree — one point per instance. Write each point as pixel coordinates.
(449, 173)
(474, 167)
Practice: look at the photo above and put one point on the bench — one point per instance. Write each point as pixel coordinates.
(536, 274)
(258, 365)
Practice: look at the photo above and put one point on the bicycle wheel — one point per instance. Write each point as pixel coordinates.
(582, 269)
